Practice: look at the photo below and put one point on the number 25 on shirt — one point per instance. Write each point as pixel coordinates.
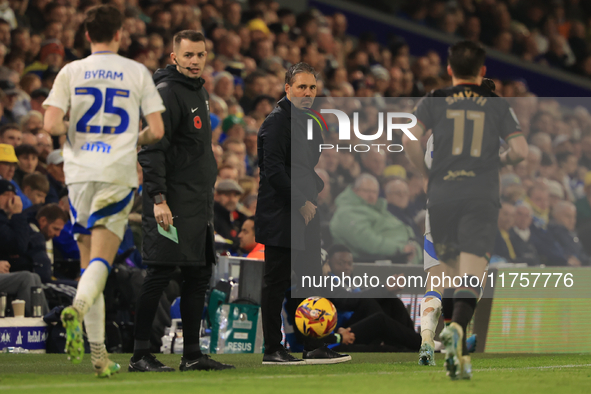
(82, 125)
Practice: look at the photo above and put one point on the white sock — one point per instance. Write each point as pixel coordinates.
(94, 321)
(430, 313)
(91, 285)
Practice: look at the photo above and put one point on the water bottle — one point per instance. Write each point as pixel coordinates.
(37, 301)
(2, 305)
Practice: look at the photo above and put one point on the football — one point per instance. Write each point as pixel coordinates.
(316, 317)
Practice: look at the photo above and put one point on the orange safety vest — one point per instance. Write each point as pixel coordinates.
(257, 253)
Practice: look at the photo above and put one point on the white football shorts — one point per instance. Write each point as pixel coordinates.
(99, 204)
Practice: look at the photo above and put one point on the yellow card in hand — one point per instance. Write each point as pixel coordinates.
(170, 234)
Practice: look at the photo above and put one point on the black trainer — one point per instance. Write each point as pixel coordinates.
(148, 364)
(324, 355)
(281, 357)
(203, 363)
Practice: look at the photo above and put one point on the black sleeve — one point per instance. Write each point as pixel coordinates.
(14, 234)
(423, 111)
(152, 158)
(275, 146)
(509, 124)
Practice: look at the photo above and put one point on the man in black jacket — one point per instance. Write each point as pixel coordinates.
(285, 218)
(179, 175)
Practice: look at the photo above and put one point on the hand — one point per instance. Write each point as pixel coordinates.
(308, 211)
(14, 206)
(347, 337)
(574, 262)
(4, 267)
(163, 215)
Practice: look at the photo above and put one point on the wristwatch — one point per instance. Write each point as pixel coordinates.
(159, 198)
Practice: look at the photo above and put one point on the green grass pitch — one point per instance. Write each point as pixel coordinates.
(396, 373)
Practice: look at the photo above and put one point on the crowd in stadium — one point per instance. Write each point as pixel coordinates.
(554, 33)
(546, 213)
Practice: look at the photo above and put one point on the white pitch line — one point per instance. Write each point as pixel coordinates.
(298, 376)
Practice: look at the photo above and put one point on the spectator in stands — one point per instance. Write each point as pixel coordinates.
(397, 196)
(548, 250)
(250, 140)
(27, 162)
(567, 174)
(583, 204)
(37, 257)
(538, 197)
(504, 246)
(55, 175)
(519, 235)
(8, 101)
(19, 284)
(233, 127)
(33, 120)
(227, 219)
(8, 164)
(555, 192)
(237, 147)
(374, 163)
(37, 98)
(511, 188)
(253, 249)
(14, 230)
(44, 147)
(363, 223)
(11, 134)
(562, 229)
(255, 85)
(226, 171)
(35, 186)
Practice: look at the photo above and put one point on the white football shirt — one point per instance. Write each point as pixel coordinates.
(104, 93)
(429, 152)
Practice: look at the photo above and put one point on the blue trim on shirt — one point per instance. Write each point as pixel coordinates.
(430, 249)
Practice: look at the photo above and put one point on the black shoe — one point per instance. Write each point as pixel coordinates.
(203, 363)
(324, 355)
(148, 364)
(281, 357)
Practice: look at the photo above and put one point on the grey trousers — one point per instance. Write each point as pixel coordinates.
(18, 284)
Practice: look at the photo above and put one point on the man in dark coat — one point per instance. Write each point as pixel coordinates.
(179, 175)
(563, 230)
(285, 218)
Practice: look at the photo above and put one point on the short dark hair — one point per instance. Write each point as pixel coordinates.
(337, 248)
(102, 22)
(563, 157)
(191, 35)
(9, 126)
(298, 68)
(466, 58)
(25, 149)
(52, 212)
(36, 181)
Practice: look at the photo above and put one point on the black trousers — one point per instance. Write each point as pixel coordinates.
(277, 280)
(193, 287)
